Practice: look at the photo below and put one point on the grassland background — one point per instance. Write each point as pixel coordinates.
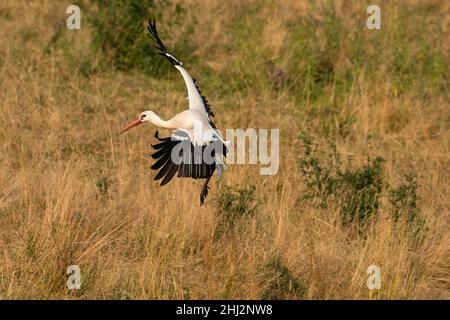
(72, 191)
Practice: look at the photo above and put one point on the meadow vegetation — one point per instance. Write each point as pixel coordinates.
(364, 140)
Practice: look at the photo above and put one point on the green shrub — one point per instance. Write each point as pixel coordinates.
(280, 283)
(247, 69)
(357, 189)
(404, 201)
(315, 44)
(408, 50)
(102, 185)
(362, 189)
(121, 37)
(319, 170)
(234, 204)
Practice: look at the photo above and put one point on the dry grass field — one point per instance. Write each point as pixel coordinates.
(75, 192)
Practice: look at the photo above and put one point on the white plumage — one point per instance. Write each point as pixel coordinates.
(195, 139)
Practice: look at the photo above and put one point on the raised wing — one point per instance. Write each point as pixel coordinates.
(196, 100)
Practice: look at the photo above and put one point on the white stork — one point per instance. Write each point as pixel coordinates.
(188, 151)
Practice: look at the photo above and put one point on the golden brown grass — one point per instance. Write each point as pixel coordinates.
(60, 143)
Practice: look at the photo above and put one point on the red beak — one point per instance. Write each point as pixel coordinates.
(132, 124)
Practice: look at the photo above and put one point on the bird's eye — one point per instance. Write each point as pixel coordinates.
(143, 116)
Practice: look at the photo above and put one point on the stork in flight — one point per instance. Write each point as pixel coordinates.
(188, 151)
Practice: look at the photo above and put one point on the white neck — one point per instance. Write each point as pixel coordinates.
(157, 121)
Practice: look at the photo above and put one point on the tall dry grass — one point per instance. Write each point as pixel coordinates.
(75, 192)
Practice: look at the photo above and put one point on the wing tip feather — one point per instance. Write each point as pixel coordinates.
(151, 27)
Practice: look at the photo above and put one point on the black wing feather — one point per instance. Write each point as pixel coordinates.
(161, 161)
(192, 166)
(160, 45)
(170, 174)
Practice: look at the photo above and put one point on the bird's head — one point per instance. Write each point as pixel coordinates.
(146, 116)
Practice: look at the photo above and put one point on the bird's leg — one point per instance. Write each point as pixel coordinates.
(204, 192)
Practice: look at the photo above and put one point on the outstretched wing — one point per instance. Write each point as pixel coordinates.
(177, 154)
(196, 100)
